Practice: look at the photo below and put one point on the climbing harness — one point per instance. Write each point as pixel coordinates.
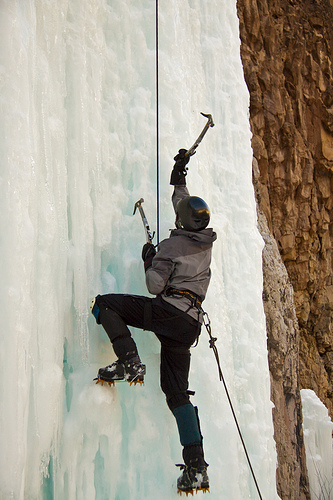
(195, 303)
(195, 299)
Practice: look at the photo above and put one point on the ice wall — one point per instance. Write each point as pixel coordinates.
(78, 149)
(318, 427)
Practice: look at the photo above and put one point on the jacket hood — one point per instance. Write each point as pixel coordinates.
(204, 236)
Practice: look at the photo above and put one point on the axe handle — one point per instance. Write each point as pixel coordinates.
(209, 123)
(149, 234)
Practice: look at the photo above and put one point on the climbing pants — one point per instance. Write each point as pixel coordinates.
(175, 330)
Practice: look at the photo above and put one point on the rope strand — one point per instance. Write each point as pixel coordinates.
(157, 137)
(212, 341)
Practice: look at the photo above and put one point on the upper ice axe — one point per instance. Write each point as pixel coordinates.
(209, 123)
(149, 234)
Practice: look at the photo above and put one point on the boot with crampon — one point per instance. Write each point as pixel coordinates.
(194, 475)
(130, 370)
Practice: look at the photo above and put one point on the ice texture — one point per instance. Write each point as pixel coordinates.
(78, 149)
(318, 427)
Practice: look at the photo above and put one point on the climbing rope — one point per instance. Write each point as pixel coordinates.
(212, 345)
(157, 135)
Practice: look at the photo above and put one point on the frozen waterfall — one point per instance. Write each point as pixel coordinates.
(78, 149)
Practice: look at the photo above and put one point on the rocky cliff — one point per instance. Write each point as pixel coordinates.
(287, 49)
(283, 356)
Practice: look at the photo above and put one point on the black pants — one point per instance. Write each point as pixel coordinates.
(176, 331)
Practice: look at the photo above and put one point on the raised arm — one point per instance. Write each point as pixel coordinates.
(177, 178)
(163, 269)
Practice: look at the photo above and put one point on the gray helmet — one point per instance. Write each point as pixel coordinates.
(192, 213)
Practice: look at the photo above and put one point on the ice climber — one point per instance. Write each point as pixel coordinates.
(178, 274)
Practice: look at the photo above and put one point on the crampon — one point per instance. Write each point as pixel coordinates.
(191, 492)
(113, 382)
(131, 371)
(193, 479)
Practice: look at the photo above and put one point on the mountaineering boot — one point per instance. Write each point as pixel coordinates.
(134, 370)
(193, 477)
(130, 370)
(112, 372)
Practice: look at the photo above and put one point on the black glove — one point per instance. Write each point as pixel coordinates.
(179, 170)
(148, 253)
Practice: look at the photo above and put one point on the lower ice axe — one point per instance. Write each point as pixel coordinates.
(209, 123)
(149, 234)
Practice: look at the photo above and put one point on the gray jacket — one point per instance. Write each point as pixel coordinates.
(182, 262)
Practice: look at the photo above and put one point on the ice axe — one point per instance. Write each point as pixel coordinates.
(149, 234)
(209, 123)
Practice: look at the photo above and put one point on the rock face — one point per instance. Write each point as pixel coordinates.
(283, 357)
(287, 49)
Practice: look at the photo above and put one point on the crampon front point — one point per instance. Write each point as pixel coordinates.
(130, 370)
(191, 492)
(113, 382)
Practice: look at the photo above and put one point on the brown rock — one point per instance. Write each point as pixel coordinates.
(283, 356)
(326, 144)
(286, 49)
